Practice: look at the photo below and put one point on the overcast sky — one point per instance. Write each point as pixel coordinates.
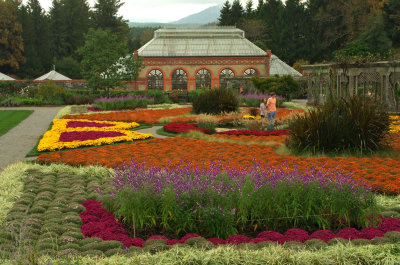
(158, 10)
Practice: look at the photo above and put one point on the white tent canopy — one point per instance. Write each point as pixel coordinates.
(53, 75)
(4, 77)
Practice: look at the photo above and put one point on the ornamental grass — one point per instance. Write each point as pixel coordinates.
(217, 201)
(381, 172)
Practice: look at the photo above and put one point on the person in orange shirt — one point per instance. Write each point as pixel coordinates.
(271, 110)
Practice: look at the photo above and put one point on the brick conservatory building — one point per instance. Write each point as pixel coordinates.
(188, 58)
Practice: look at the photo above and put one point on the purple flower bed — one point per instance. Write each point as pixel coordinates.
(81, 124)
(212, 196)
(87, 135)
(97, 222)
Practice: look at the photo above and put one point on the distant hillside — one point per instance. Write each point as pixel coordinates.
(204, 17)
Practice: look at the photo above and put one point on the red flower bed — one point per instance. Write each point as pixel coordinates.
(257, 133)
(97, 222)
(79, 124)
(87, 135)
(179, 127)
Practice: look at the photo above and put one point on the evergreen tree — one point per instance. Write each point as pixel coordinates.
(237, 12)
(105, 16)
(249, 13)
(225, 17)
(391, 15)
(11, 44)
(36, 36)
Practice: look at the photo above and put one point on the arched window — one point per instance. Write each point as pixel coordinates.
(155, 80)
(250, 72)
(203, 78)
(224, 76)
(179, 80)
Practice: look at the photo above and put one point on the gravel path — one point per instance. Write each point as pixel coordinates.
(17, 142)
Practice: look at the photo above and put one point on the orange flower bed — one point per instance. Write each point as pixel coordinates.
(383, 173)
(148, 116)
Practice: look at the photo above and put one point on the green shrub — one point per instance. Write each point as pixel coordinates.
(78, 199)
(193, 94)
(284, 85)
(75, 219)
(49, 252)
(46, 245)
(154, 242)
(295, 245)
(154, 248)
(349, 125)
(381, 240)
(394, 236)
(76, 207)
(69, 252)
(338, 240)
(247, 246)
(159, 96)
(315, 243)
(70, 246)
(51, 93)
(266, 244)
(114, 251)
(77, 235)
(360, 242)
(37, 209)
(215, 101)
(88, 241)
(93, 253)
(65, 240)
(389, 214)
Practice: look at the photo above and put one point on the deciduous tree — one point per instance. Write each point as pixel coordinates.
(105, 62)
(11, 44)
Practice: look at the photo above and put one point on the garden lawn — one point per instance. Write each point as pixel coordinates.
(11, 118)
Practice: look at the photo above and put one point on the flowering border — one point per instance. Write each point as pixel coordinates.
(97, 222)
(61, 125)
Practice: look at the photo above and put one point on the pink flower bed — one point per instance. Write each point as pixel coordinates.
(179, 127)
(82, 124)
(97, 222)
(257, 133)
(87, 135)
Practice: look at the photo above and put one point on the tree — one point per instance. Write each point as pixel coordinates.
(254, 29)
(237, 12)
(391, 15)
(147, 35)
(69, 22)
(105, 64)
(11, 45)
(225, 17)
(37, 40)
(249, 13)
(105, 16)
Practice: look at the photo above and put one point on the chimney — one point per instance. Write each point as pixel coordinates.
(136, 54)
(269, 53)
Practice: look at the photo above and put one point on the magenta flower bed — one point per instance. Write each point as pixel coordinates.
(79, 124)
(87, 135)
(97, 222)
(180, 127)
(257, 133)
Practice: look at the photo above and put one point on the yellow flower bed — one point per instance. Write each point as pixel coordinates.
(394, 127)
(251, 117)
(50, 140)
